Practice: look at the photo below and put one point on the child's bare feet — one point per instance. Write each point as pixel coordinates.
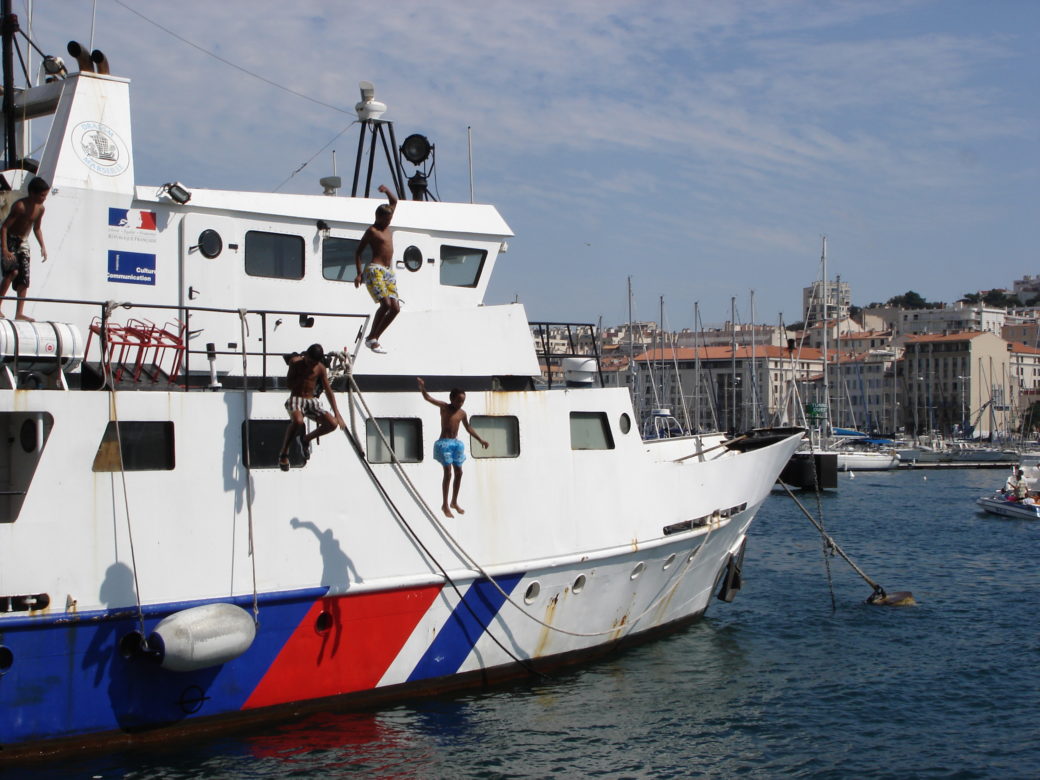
(447, 512)
(24, 317)
(458, 508)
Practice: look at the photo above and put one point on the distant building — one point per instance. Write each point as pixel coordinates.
(829, 300)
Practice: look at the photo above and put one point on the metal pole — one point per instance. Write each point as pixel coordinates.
(10, 27)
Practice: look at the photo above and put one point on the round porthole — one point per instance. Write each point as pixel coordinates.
(323, 623)
(210, 243)
(413, 258)
(625, 423)
(532, 592)
(637, 570)
(6, 659)
(579, 584)
(668, 561)
(27, 436)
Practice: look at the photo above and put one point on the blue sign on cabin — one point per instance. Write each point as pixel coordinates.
(131, 267)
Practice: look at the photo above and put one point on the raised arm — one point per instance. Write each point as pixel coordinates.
(390, 197)
(427, 396)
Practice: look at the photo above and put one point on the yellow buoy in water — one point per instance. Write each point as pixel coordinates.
(902, 598)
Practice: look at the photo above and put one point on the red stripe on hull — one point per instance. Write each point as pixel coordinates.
(343, 644)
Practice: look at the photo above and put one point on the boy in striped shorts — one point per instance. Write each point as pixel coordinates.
(305, 372)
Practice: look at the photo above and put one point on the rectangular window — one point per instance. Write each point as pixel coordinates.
(274, 255)
(147, 446)
(502, 433)
(590, 431)
(265, 443)
(337, 258)
(461, 266)
(403, 434)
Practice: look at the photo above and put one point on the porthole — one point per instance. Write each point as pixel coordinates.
(579, 584)
(639, 567)
(323, 623)
(6, 659)
(532, 593)
(668, 561)
(210, 243)
(27, 436)
(413, 258)
(625, 423)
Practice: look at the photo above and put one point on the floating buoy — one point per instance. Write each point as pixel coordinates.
(203, 636)
(901, 598)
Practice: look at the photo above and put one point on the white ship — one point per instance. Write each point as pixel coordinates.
(160, 574)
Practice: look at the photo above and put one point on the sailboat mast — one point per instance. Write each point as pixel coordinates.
(826, 380)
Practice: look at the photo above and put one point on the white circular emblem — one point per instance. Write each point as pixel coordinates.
(100, 148)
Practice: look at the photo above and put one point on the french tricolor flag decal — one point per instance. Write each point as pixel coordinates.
(131, 218)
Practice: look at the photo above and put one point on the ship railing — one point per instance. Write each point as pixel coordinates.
(555, 342)
(140, 352)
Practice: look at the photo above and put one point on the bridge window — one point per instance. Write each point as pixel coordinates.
(146, 446)
(274, 255)
(590, 431)
(337, 258)
(403, 434)
(461, 265)
(502, 433)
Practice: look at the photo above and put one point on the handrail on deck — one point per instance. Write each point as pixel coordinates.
(139, 336)
(543, 332)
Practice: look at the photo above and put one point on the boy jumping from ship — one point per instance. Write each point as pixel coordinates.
(448, 450)
(26, 214)
(305, 372)
(378, 275)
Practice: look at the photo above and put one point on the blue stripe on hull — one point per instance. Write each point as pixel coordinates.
(69, 678)
(464, 627)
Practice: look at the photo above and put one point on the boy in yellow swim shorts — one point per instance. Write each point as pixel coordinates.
(378, 275)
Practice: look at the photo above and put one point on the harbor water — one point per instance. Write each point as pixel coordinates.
(783, 682)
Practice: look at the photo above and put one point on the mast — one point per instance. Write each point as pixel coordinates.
(696, 367)
(10, 27)
(826, 372)
(733, 361)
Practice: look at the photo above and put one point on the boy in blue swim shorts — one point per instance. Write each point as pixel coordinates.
(448, 450)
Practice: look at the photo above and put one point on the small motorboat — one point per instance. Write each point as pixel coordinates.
(1001, 503)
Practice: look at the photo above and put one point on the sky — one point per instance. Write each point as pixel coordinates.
(701, 148)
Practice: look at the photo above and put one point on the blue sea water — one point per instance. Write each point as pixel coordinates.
(776, 684)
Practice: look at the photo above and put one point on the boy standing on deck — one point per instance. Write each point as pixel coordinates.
(305, 371)
(378, 275)
(448, 450)
(26, 214)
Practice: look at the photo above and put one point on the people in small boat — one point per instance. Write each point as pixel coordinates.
(306, 378)
(448, 450)
(26, 215)
(379, 275)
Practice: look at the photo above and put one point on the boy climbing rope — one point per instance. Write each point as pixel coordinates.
(378, 275)
(448, 450)
(305, 371)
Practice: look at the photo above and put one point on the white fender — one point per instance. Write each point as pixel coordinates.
(208, 635)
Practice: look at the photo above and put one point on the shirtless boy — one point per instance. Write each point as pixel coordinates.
(448, 450)
(378, 275)
(26, 214)
(305, 371)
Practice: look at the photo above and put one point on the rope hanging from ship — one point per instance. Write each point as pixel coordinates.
(106, 368)
(248, 473)
(344, 362)
(879, 596)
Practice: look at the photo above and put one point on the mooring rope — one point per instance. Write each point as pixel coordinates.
(109, 380)
(829, 543)
(246, 460)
